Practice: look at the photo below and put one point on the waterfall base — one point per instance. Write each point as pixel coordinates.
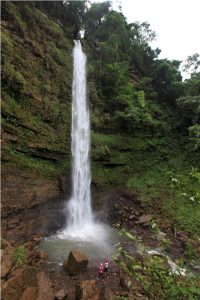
(97, 242)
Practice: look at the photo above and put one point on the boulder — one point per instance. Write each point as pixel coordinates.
(7, 262)
(87, 290)
(61, 295)
(125, 283)
(23, 278)
(76, 263)
(12, 289)
(29, 294)
(144, 219)
(45, 291)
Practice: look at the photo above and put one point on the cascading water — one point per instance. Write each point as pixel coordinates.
(82, 231)
(80, 220)
(79, 206)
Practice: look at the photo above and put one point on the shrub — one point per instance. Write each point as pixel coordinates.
(19, 255)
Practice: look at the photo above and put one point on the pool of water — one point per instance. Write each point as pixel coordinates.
(102, 243)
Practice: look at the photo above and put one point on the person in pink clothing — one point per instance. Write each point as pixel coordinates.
(101, 270)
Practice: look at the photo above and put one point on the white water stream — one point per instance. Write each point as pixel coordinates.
(80, 220)
(80, 217)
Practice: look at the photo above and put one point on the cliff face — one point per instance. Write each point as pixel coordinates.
(36, 104)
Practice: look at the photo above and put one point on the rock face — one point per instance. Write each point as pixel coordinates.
(27, 284)
(87, 290)
(31, 204)
(22, 189)
(76, 263)
(15, 286)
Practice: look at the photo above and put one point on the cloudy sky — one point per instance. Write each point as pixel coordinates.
(176, 23)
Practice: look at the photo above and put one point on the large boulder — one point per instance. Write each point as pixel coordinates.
(7, 261)
(45, 291)
(16, 285)
(87, 290)
(29, 294)
(12, 289)
(76, 263)
(27, 284)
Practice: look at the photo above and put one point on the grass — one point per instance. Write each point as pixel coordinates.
(184, 203)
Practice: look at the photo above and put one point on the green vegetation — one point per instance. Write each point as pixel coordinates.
(36, 90)
(19, 255)
(184, 202)
(153, 274)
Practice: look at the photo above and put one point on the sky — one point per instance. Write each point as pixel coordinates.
(176, 23)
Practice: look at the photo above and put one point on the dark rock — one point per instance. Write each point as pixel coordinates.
(65, 264)
(39, 256)
(76, 263)
(125, 283)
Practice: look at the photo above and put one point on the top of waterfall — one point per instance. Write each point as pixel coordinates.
(77, 42)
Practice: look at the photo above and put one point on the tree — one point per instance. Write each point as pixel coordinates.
(167, 80)
(192, 64)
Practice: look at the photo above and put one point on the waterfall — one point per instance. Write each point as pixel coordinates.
(79, 206)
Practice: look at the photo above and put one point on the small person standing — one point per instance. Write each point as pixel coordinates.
(106, 265)
(101, 270)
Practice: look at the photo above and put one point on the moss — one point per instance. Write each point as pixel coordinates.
(59, 55)
(43, 167)
(14, 15)
(36, 89)
(6, 42)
